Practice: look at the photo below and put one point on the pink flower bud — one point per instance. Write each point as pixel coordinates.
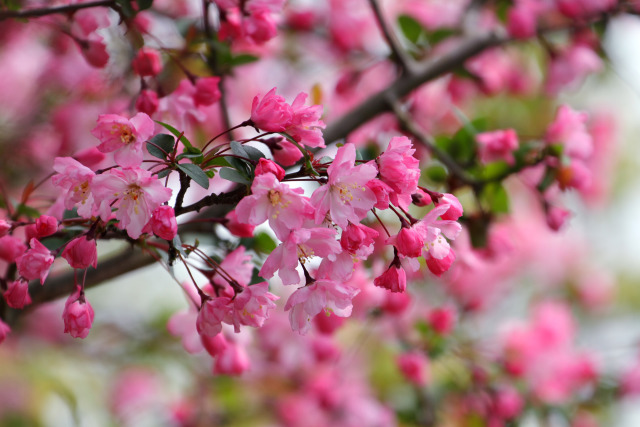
(328, 324)
(81, 253)
(507, 403)
(284, 152)
(11, 248)
(95, 52)
(147, 102)
(557, 217)
(207, 91)
(396, 303)
(356, 237)
(4, 227)
(77, 315)
(420, 198)
(268, 166)
(394, 279)
(147, 62)
(35, 263)
(237, 228)
(271, 113)
(90, 157)
(17, 295)
(439, 266)
(4, 331)
(214, 345)
(163, 222)
(455, 208)
(442, 319)
(46, 225)
(409, 242)
(521, 22)
(415, 367)
(233, 361)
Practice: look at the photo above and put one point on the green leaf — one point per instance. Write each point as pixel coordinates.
(264, 243)
(23, 209)
(242, 59)
(496, 197)
(233, 176)
(126, 8)
(210, 173)
(218, 161)
(144, 4)
(164, 173)
(238, 149)
(193, 153)
(71, 213)
(411, 29)
(253, 153)
(195, 173)
(176, 132)
(495, 170)
(241, 166)
(436, 173)
(160, 142)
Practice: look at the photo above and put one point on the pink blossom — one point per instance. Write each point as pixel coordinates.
(400, 170)
(442, 319)
(90, 157)
(434, 231)
(94, 51)
(77, 315)
(238, 264)
(36, 262)
(251, 306)
(11, 248)
(147, 102)
(237, 228)
(4, 331)
(17, 294)
(285, 207)
(212, 314)
(394, 279)
(346, 195)
(408, 242)
(163, 222)
(5, 226)
(415, 367)
(81, 253)
(420, 198)
(497, 145)
(268, 166)
(569, 129)
(522, 19)
(507, 403)
(147, 62)
(328, 324)
(214, 345)
(233, 360)
(271, 113)
(396, 302)
(284, 152)
(76, 179)
(306, 302)
(439, 266)
(260, 26)
(207, 91)
(571, 66)
(455, 210)
(358, 240)
(134, 192)
(124, 137)
(45, 226)
(306, 126)
(557, 217)
(382, 191)
(303, 243)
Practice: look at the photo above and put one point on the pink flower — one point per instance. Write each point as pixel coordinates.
(306, 126)
(260, 26)
(268, 166)
(45, 226)
(394, 279)
(147, 102)
(4, 227)
(271, 113)
(147, 62)
(497, 145)
(408, 242)
(90, 157)
(442, 319)
(207, 91)
(439, 266)
(557, 217)
(11, 248)
(125, 137)
(455, 210)
(134, 192)
(77, 315)
(285, 207)
(17, 294)
(400, 170)
(284, 152)
(81, 253)
(233, 360)
(306, 302)
(415, 367)
(238, 264)
(237, 228)
(382, 191)
(522, 20)
(421, 198)
(507, 403)
(346, 195)
(571, 66)
(569, 128)
(94, 51)
(358, 240)
(36, 262)
(4, 331)
(163, 222)
(433, 233)
(251, 306)
(76, 179)
(211, 315)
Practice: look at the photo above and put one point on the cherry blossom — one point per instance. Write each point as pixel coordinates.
(124, 137)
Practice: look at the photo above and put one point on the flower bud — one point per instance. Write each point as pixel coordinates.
(17, 295)
(207, 91)
(46, 225)
(163, 222)
(455, 207)
(81, 253)
(268, 166)
(147, 62)
(77, 315)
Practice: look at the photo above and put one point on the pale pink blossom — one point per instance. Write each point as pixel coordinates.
(285, 207)
(251, 306)
(233, 360)
(81, 253)
(237, 228)
(77, 315)
(455, 210)
(17, 294)
(163, 222)
(569, 129)
(36, 262)
(497, 145)
(400, 170)
(322, 295)
(570, 66)
(414, 366)
(124, 137)
(212, 314)
(434, 231)
(76, 179)
(135, 193)
(238, 265)
(346, 196)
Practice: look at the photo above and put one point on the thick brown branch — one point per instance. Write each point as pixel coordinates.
(70, 8)
(230, 198)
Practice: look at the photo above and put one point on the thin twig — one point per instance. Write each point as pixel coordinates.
(70, 8)
(398, 53)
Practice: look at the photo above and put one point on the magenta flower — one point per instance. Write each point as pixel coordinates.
(358, 240)
(328, 295)
(134, 192)
(394, 279)
(251, 306)
(163, 222)
(285, 207)
(569, 128)
(400, 170)
(81, 253)
(4, 331)
(497, 145)
(346, 196)
(17, 295)
(271, 113)
(124, 137)
(76, 178)
(77, 315)
(306, 126)
(212, 314)
(36, 262)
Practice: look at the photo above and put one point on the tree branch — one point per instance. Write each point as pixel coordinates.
(399, 54)
(70, 8)
(230, 198)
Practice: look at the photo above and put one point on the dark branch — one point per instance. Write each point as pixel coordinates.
(70, 8)
(399, 54)
(230, 198)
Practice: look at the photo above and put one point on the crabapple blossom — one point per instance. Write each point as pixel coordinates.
(134, 192)
(497, 145)
(124, 137)
(5, 226)
(11, 248)
(17, 294)
(569, 129)
(36, 262)
(394, 279)
(147, 62)
(147, 102)
(455, 210)
(265, 166)
(76, 179)
(81, 253)
(237, 228)
(78, 315)
(233, 360)
(271, 113)
(400, 170)
(408, 242)
(207, 91)
(211, 315)
(415, 367)
(163, 222)
(251, 306)
(45, 226)
(358, 240)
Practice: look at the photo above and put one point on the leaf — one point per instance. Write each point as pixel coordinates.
(217, 161)
(161, 142)
(23, 209)
(253, 153)
(264, 243)
(164, 173)
(496, 197)
(193, 153)
(233, 176)
(144, 4)
(195, 173)
(494, 170)
(411, 29)
(240, 165)
(126, 8)
(176, 132)
(242, 59)
(238, 149)
(436, 173)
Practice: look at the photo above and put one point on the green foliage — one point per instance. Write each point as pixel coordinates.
(234, 176)
(495, 197)
(160, 145)
(193, 153)
(195, 173)
(176, 133)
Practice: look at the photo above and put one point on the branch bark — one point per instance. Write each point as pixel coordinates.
(70, 8)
